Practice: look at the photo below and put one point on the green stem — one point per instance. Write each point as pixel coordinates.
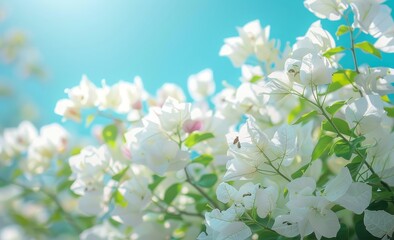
(363, 157)
(191, 182)
(53, 197)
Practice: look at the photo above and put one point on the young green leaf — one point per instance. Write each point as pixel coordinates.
(204, 159)
(367, 47)
(332, 51)
(119, 199)
(207, 180)
(340, 124)
(172, 192)
(110, 132)
(342, 149)
(322, 146)
(335, 107)
(341, 78)
(117, 177)
(197, 137)
(255, 79)
(156, 181)
(89, 120)
(342, 30)
(306, 117)
(300, 172)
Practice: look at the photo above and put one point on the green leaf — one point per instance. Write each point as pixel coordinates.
(340, 124)
(354, 166)
(171, 216)
(332, 51)
(119, 199)
(342, 149)
(172, 192)
(17, 173)
(357, 141)
(306, 117)
(335, 107)
(322, 146)
(110, 132)
(362, 232)
(367, 47)
(390, 111)
(64, 185)
(342, 30)
(207, 180)
(204, 159)
(341, 78)
(117, 177)
(343, 233)
(197, 137)
(89, 119)
(255, 79)
(156, 181)
(300, 172)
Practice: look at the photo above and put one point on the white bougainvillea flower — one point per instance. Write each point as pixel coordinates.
(365, 113)
(224, 225)
(376, 80)
(85, 94)
(152, 148)
(91, 203)
(372, 17)
(170, 90)
(338, 186)
(235, 49)
(285, 143)
(249, 99)
(138, 196)
(316, 40)
(379, 223)
(330, 9)
(173, 115)
(56, 135)
(315, 70)
(253, 39)
(110, 97)
(304, 186)
(68, 110)
(386, 42)
(266, 200)
(102, 231)
(17, 140)
(201, 85)
(88, 167)
(292, 69)
(250, 73)
(242, 199)
(313, 215)
(357, 198)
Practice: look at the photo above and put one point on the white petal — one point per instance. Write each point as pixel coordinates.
(379, 223)
(357, 198)
(225, 192)
(286, 225)
(338, 186)
(235, 231)
(326, 224)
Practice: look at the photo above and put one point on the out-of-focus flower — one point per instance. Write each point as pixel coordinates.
(201, 85)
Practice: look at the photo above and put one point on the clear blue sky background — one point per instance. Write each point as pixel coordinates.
(161, 40)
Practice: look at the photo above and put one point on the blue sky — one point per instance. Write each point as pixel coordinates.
(162, 41)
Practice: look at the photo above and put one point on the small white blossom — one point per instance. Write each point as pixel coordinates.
(201, 85)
